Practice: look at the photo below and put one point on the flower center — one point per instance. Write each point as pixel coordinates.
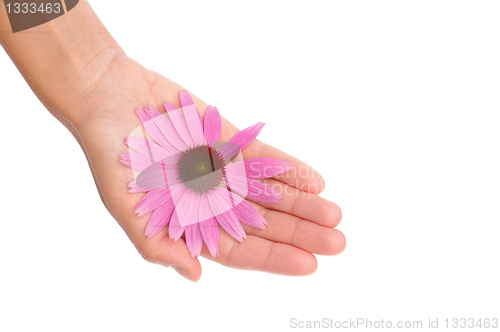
(201, 168)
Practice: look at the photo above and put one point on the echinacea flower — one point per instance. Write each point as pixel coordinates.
(193, 182)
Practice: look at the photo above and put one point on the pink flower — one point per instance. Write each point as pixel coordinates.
(194, 183)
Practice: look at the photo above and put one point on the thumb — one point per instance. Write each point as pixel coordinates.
(164, 251)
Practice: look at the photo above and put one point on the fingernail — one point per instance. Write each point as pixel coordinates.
(183, 272)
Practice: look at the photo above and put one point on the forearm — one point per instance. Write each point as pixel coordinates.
(63, 59)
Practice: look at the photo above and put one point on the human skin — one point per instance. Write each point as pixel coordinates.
(83, 77)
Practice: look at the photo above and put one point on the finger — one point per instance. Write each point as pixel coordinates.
(298, 232)
(164, 251)
(259, 254)
(304, 205)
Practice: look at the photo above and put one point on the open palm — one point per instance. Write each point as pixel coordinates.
(297, 228)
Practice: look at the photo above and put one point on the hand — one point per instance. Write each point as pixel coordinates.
(297, 228)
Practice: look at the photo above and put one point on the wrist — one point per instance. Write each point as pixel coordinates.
(62, 60)
(70, 97)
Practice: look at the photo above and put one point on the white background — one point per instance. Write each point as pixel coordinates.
(395, 102)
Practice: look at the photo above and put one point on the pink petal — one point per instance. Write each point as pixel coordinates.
(151, 112)
(147, 148)
(141, 115)
(175, 229)
(187, 207)
(205, 212)
(151, 201)
(152, 129)
(159, 219)
(168, 131)
(263, 193)
(180, 124)
(220, 200)
(212, 125)
(260, 168)
(227, 219)
(134, 188)
(194, 240)
(169, 107)
(236, 183)
(253, 189)
(210, 233)
(241, 140)
(248, 215)
(192, 117)
(136, 161)
(231, 225)
(246, 136)
(228, 150)
(237, 169)
(159, 176)
(186, 203)
(177, 189)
